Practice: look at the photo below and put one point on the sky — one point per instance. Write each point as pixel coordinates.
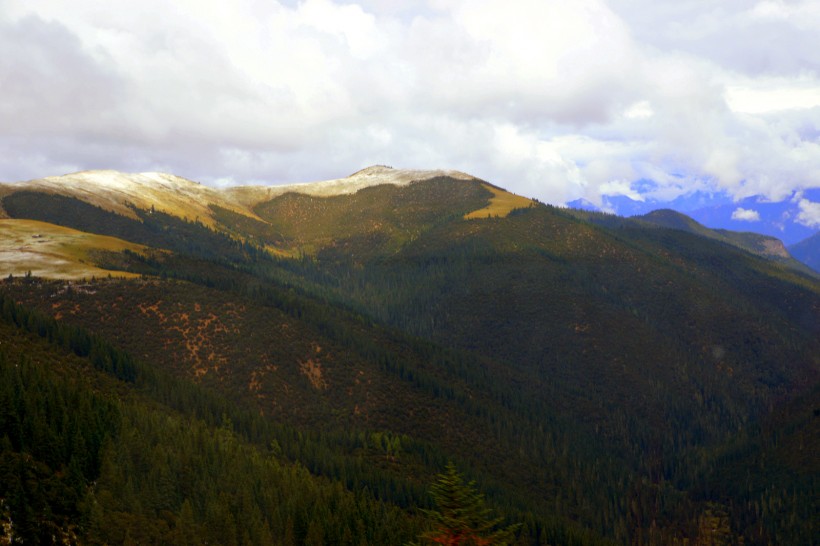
(560, 100)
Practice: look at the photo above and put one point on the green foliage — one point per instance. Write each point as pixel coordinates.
(52, 436)
(460, 516)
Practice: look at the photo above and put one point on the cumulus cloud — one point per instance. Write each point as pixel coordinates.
(809, 214)
(745, 215)
(555, 99)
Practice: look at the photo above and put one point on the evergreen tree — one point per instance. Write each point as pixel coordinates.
(461, 517)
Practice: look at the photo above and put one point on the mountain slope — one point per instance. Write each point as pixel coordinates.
(46, 250)
(592, 372)
(120, 193)
(762, 245)
(112, 203)
(92, 455)
(753, 242)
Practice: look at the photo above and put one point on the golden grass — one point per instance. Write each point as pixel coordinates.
(55, 252)
(116, 192)
(501, 204)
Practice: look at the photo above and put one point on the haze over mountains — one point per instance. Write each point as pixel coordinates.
(605, 380)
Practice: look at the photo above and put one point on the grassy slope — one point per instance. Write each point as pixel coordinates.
(121, 192)
(47, 250)
(502, 203)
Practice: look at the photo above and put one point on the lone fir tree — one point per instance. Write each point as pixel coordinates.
(461, 517)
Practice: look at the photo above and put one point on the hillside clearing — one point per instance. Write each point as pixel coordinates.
(502, 203)
(55, 252)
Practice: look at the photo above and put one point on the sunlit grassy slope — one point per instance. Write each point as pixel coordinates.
(56, 252)
(376, 219)
(121, 192)
(501, 204)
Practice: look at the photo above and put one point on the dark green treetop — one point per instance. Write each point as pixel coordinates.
(461, 518)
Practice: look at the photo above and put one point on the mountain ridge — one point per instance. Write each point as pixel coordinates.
(236, 211)
(113, 189)
(765, 245)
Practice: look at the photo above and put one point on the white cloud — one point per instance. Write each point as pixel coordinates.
(753, 38)
(639, 110)
(764, 98)
(809, 214)
(745, 215)
(557, 99)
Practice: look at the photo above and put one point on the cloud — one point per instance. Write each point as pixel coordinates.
(747, 37)
(763, 98)
(745, 215)
(50, 84)
(555, 99)
(809, 214)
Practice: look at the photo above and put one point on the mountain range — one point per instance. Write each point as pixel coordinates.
(604, 380)
(786, 219)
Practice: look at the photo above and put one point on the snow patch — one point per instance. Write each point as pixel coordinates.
(115, 191)
(375, 175)
(118, 192)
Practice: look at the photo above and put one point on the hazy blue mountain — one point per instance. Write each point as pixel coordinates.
(808, 251)
(719, 211)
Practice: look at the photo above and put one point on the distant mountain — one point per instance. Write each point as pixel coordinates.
(764, 245)
(605, 380)
(779, 219)
(720, 211)
(808, 251)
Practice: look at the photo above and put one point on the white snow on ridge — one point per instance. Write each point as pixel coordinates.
(371, 176)
(113, 190)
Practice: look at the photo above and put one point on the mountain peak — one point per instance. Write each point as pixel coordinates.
(808, 251)
(372, 170)
(374, 175)
(384, 174)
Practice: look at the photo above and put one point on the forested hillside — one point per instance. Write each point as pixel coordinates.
(603, 380)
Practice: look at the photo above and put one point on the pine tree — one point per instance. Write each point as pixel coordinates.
(461, 517)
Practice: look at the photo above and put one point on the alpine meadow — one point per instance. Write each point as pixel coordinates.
(396, 357)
